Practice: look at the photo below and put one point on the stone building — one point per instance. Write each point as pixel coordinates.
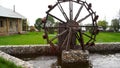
(10, 21)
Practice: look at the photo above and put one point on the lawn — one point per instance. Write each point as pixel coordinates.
(36, 38)
(108, 37)
(24, 39)
(7, 64)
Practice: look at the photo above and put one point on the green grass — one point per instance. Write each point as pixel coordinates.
(7, 64)
(36, 38)
(24, 39)
(108, 37)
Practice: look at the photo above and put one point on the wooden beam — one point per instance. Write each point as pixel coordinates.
(18, 24)
(7, 26)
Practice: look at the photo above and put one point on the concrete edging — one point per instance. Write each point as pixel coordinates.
(16, 60)
(46, 49)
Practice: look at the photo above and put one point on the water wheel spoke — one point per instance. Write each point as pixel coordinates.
(56, 18)
(78, 13)
(78, 37)
(59, 35)
(55, 27)
(71, 10)
(84, 17)
(65, 40)
(69, 39)
(62, 11)
(81, 39)
(46, 36)
(51, 44)
(87, 35)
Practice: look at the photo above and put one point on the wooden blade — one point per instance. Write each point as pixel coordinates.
(62, 11)
(58, 35)
(78, 13)
(56, 18)
(85, 17)
(71, 10)
(69, 39)
(87, 36)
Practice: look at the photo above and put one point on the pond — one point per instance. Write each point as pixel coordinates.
(96, 61)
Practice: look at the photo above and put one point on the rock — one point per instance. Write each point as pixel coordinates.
(75, 56)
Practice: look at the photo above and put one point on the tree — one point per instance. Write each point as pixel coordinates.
(103, 24)
(50, 23)
(51, 19)
(38, 24)
(115, 24)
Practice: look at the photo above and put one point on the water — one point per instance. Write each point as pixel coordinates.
(96, 61)
(105, 61)
(43, 61)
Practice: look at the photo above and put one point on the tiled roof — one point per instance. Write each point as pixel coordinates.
(4, 12)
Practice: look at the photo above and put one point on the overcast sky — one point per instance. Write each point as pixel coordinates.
(33, 9)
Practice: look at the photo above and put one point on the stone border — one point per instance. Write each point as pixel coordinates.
(26, 49)
(105, 48)
(16, 60)
(46, 49)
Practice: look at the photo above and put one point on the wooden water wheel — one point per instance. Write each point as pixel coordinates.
(71, 24)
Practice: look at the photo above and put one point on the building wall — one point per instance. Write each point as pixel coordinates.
(11, 26)
(20, 25)
(3, 29)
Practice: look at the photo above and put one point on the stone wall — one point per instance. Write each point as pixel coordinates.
(32, 50)
(105, 48)
(46, 49)
(27, 50)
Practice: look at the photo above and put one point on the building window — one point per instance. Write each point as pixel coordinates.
(1, 23)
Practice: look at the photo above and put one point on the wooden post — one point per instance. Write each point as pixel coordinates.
(18, 23)
(7, 26)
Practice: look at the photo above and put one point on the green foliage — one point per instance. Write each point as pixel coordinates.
(51, 19)
(115, 25)
(7, 64)
(38, 24)
(103, 24)
(50, 23)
